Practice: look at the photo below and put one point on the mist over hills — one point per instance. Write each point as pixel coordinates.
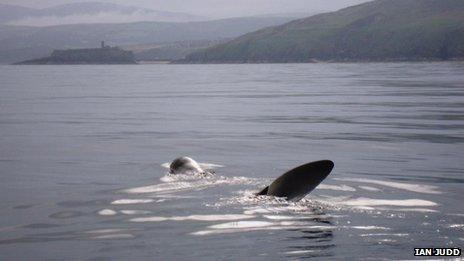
(12, 12)
(19, 43)
(87, 12)
(382, 30)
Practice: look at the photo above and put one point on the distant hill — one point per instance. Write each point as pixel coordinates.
(19, 43)
(87, 12)
(383, 30)
(89, 8)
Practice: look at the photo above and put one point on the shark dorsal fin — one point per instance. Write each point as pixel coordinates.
(263, 192)
(298, 182)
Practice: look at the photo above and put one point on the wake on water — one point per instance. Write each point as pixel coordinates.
(264, 213)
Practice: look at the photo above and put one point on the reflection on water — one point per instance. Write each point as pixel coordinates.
(83, 150)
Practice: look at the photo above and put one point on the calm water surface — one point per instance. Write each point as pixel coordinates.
(81, 149)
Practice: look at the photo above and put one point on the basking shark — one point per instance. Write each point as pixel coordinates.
(185, 165)
(300, 181)
(292, 185)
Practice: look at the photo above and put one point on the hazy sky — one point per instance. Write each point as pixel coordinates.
(214, 8)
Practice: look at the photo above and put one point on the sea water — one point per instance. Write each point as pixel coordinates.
(82, 150)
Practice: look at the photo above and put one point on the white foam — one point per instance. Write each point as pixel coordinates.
(216, 217)
(276, 217)
(426, 189)
(389, 202)
(255, 227)
(370, 228)
(321, 227)
(206, 166)
(421, 210)
(215, 232)
(302, 207)
(163, 187)
(107, 212)
(194, 217)
(299, 252)
(114, 236)
(297, 208)
(256, 224)
(131, 201)
(112, 233)
(364, 208)
(336, 187)
(459, 226)
(256, 210)
(229, 231)
(243, 224)
(105, 231)
(387, 240)
(368, 188)
(149, 219)
(384, 234)
(457, 214)
(193, 176)
(135, 212)
(179, 183)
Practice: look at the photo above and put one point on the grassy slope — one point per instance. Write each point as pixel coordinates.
(375, 31)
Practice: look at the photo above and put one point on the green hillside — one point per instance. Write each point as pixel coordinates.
(382, 30)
